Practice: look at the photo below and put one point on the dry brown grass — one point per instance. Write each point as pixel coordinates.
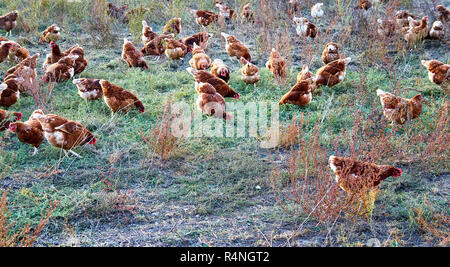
(25, 237)
(430, 222)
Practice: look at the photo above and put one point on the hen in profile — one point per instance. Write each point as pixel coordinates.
(205, 17)
(5, 120)
(5, 48)
(438, 72)
(89, 89)
(201, 39)
(61, 71)
(175, 49)
(65, 134)
(9, 92)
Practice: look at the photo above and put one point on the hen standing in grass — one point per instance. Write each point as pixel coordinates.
(277, 65)
(417, 33)
(330, 53)
(438, 72)
(8, 21)
(353, 175)
(9, 92)
(236, 48)
(219, 69)
(51, 34)
(201, 39)
(220, 85)
(119, 99)
(300, 94)
(89, 89)
(250, 72)
(147, 33)
(205, 17)
(305, 28)
(200, 60)
(5, 49)
(18, 53)
(80, 62)
(56, 54)
(175, 50)
(437, 30)
(332, 73)
(5, 120)
(61, 71)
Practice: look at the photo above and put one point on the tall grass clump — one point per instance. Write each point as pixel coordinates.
(306, 188)
(431, 222)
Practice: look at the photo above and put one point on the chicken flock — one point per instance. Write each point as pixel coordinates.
(211, 85)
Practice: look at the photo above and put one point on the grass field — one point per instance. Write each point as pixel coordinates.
(219, 191)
